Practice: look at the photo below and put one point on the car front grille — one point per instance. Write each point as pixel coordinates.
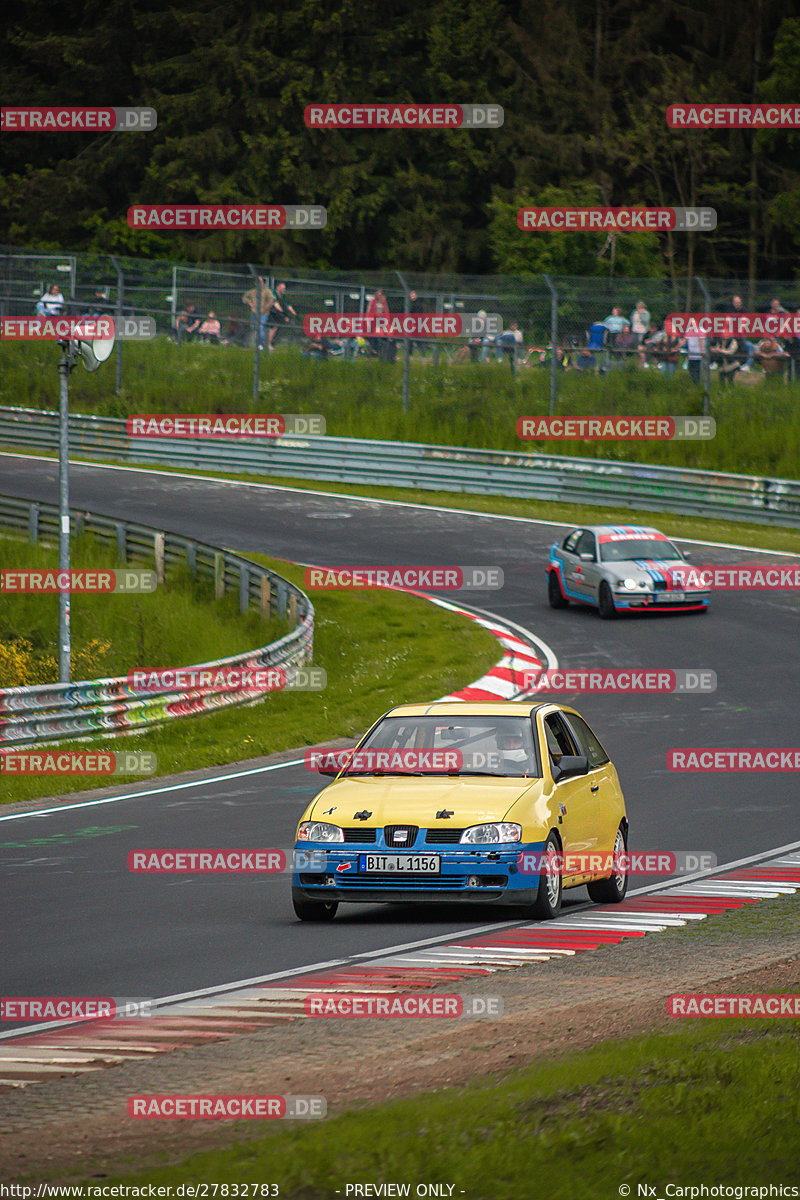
(400, 837)
(443, 837)
(356, 833)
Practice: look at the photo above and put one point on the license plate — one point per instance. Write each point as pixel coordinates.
(399, 864)
(669, 597)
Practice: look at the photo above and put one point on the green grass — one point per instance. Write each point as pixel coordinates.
(758, 430)
(712, 1102)
(378, 649)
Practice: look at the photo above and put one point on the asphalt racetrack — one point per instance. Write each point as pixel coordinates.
(79, 923)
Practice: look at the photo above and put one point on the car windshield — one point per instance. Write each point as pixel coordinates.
(632, 548)
(448, 745)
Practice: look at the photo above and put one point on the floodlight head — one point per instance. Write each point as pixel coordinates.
(94, 352)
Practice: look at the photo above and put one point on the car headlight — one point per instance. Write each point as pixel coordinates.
(319, 831)
(481, 835)
(633, 585)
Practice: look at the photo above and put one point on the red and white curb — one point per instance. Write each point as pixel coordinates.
(30, 1057)
(522, 657)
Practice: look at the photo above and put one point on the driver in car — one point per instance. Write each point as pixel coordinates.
(513, 755)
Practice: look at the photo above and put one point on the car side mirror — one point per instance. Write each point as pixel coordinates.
(687, 555)
(570, 766)
(587, 558)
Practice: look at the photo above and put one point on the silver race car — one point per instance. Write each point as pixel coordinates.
(619, 568)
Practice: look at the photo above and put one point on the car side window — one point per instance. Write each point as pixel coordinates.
(559, 738)
(589, 745)
(571, 542)
(587, 545)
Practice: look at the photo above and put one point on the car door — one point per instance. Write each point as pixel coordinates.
(607, 804)
(587, 570)
(573, 798)
(573, 567)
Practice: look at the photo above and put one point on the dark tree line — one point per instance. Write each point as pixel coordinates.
(584, 85)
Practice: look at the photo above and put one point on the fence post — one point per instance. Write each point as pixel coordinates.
(120, 290)
(219, 575)
(265, 597)
(122, 542)
(158, 551)
(191, 557)
(553, 344)
(244, 588)
(33, 523)
(406, 342)
(705, 371)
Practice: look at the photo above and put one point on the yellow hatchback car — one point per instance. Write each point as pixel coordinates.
(505, 803)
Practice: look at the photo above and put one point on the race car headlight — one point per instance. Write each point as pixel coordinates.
(633, 585)
(319, 831)
(481, 835)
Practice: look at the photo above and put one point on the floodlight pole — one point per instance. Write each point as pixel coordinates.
(64, 636)
(406, 341)
(118, 325)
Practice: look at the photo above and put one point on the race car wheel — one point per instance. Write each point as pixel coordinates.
(605, 602)
(313, 910)
(554, 593)
(547, 904)
(612, 891)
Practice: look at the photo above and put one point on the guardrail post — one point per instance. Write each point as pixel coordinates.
(158, 552)
(191, 557)
(244, 588)
(281, 598)
(33, 523)
(265, 597)
(122, 541)
(219, 575)
(292, 611)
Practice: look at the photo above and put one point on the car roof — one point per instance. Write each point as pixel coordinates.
(470, 708)
(631, 530)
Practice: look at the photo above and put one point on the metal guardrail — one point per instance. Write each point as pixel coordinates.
(752, 498)
(109, 707)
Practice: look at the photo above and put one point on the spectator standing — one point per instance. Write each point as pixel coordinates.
(51, 303)
(694, 356)
(415, 307)
(378, 307)
(509, 342)
(615, 321)
(640, 322)
(737, 305)
(280, 314)
(728, 353)
(625, 342)
(260, 299)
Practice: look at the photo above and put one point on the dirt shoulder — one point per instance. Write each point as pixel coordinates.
(79, 1124)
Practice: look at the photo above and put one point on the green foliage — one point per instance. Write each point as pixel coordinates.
(583, 84)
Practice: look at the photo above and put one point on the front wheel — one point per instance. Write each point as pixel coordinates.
(605, 602)
(547, 904)
(554, 593)
(313, 910)
(612, 891)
